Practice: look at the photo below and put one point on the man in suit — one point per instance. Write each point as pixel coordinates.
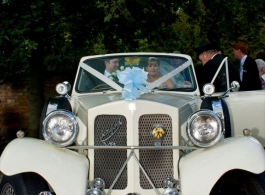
(111, 66)
(209, 55)
(249, 74)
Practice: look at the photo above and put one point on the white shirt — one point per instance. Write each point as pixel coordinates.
(214, 55)
(107, 74)
(242, 61)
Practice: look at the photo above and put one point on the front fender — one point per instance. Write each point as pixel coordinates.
(65, 170)
(201, 169)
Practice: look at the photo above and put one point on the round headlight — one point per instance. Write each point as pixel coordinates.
(169, 183)
(170, 191)
(204, 128)
(208, 89)
(94, 191)
(60, 128)
(63, 88)
(98, 183)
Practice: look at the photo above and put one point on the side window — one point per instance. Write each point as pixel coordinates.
(84, 81)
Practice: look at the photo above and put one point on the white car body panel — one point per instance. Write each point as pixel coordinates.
(59, 166)
(200, 169)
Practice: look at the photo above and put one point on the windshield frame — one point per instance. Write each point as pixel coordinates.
(151, 86)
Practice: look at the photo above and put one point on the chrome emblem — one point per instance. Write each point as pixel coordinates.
(109, 133)
(158, 133)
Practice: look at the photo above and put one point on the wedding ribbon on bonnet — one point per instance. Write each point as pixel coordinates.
(135, 82)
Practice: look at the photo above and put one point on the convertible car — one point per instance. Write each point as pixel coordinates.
(136, 124)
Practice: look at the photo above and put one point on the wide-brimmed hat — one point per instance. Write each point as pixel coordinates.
(205, 47)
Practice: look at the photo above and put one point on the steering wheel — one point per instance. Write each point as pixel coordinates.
(101, 87)
(186, 84)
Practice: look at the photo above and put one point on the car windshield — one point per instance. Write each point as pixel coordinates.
(164, 72)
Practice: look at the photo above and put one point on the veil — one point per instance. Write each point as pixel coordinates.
(165, 68)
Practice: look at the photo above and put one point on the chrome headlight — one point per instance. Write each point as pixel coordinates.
(208, 89)
(63, 88)
(94, 191)
(60, 128)
(98, 183)
(170, 184)
(204, 128)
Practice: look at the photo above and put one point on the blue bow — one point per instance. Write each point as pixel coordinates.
(135, 84)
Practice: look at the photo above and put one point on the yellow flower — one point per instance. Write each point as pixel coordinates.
(132, 60)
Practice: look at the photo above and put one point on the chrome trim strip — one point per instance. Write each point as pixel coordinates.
(122, 168)
(120, 172)
(148, 178)
(134, 147)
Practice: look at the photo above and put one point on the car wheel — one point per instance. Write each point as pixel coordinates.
(52, 104)
(25, 183)
(240, 182)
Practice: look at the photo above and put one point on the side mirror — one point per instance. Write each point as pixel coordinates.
(235, 86)
(209, 88)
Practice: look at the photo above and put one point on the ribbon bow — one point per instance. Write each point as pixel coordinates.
(134, 80)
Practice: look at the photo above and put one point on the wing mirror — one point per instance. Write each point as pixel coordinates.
(209, 89)
(235, 86)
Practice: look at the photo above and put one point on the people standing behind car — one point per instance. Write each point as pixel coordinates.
(260, 60)
(152, 68)
(208, 54)
(249, 74)
(111, 66)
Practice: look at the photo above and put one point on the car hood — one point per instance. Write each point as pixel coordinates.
(90, 101)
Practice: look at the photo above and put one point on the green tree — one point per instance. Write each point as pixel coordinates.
(225, 22)
(38, 37)
(134, 25)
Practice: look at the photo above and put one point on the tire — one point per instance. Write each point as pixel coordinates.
(240, 182)
(59, 102)
(23, 184)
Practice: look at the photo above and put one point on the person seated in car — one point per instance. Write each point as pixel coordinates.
(111, 65)
(152, 68)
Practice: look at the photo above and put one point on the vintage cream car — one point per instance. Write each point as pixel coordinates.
(136, 123)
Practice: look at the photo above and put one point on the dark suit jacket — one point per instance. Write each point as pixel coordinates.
(251, 80)
(206, 73)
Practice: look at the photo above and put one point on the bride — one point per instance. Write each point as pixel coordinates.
(152, 68)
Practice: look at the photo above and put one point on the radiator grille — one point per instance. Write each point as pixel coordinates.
(109, 162)
(157, 163)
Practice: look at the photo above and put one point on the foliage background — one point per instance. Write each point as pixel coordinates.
(41, 37)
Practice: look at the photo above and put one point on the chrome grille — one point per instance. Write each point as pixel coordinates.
(109, 162)
(157, 163)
